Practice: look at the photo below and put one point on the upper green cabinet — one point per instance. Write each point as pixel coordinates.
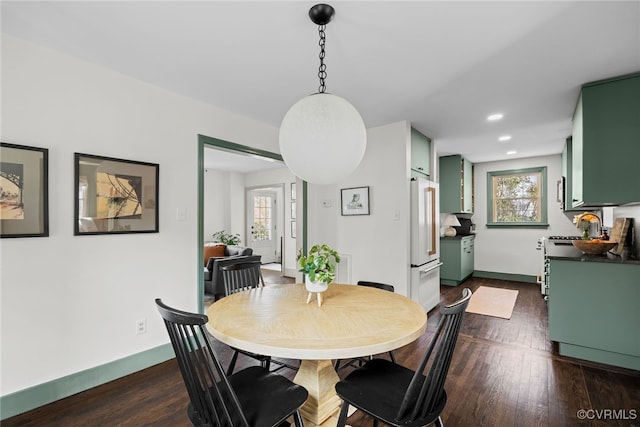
(567, 174)
(456, 184)
(605, 151)
(420, 154)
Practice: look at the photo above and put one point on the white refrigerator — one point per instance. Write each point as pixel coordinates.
(425, 243)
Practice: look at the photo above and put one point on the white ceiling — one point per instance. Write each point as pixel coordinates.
(445, 66)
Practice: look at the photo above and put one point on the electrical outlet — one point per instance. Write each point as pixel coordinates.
(141, 326)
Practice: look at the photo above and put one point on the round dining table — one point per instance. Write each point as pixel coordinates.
(353, 321)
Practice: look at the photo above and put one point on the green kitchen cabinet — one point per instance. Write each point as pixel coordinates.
(593, 311)
(567, 153)
(567, 174)
(420, 155)
(606, 143)
(457, 257)
(456, 184)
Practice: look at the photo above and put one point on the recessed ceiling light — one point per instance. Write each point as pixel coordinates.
(494, 117)
(511, 152)
(504, 138)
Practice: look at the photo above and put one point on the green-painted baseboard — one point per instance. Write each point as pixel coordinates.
(450, 282)
(42, 394)
(505, 276)
(492, 275)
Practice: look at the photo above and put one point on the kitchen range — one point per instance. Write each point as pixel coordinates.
(543, 247)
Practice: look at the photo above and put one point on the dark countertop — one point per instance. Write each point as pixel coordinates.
(571, 253)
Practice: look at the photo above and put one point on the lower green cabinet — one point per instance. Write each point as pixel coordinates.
(457, 257)
(593, 311)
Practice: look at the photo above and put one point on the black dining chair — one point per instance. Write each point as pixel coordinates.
(243, 277)
(252, 397)
(399, 396)
(359, 361)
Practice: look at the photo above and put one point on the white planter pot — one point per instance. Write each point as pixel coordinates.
(315, 286)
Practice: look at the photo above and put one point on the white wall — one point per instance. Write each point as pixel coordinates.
(378, 243)
(513, 250)
(223, 203)
(70, 303)
(216, 202)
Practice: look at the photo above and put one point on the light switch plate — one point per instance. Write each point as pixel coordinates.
(181, 214)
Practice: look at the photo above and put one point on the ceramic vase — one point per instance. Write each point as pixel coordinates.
(315, 288)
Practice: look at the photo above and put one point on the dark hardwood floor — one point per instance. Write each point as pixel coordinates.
(504, 373)
(275, 277)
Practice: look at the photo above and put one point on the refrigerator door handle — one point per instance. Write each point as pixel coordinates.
(426, 270)
(431, 211)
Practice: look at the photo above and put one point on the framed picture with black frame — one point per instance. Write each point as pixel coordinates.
(24, 191)
(355, 201)
(114, 196)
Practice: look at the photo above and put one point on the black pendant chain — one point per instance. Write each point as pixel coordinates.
(322, 70)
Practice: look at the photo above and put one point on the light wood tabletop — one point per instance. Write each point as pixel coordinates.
(352, 321)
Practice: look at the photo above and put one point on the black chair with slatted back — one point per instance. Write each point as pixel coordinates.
(227, 401)
(399, 396)
(237, 278)
(359, 361)
(242, 277)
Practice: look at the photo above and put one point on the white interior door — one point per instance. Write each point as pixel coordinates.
(262, 224)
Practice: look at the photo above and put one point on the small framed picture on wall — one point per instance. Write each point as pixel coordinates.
(355, 201)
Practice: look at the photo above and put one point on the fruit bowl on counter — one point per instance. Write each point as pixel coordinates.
(594, 246)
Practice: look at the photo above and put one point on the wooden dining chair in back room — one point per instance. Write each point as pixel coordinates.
(399, 396)
(217, 399)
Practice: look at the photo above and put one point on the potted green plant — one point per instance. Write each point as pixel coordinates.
(228, 239)
(319, 266)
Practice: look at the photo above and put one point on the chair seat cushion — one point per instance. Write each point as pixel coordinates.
(382, 384)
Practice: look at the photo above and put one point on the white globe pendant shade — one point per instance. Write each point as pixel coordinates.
(322, 138)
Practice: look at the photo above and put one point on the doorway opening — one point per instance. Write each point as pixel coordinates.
(265, 223)
(255, 189)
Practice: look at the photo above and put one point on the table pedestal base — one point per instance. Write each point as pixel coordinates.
(323, 404)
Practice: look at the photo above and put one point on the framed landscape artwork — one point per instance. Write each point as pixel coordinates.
(24, 191)
(114, 196)
(355, 201)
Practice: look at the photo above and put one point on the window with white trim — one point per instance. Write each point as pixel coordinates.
(517, 197)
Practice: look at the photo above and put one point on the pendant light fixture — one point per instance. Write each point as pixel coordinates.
(322, 136)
